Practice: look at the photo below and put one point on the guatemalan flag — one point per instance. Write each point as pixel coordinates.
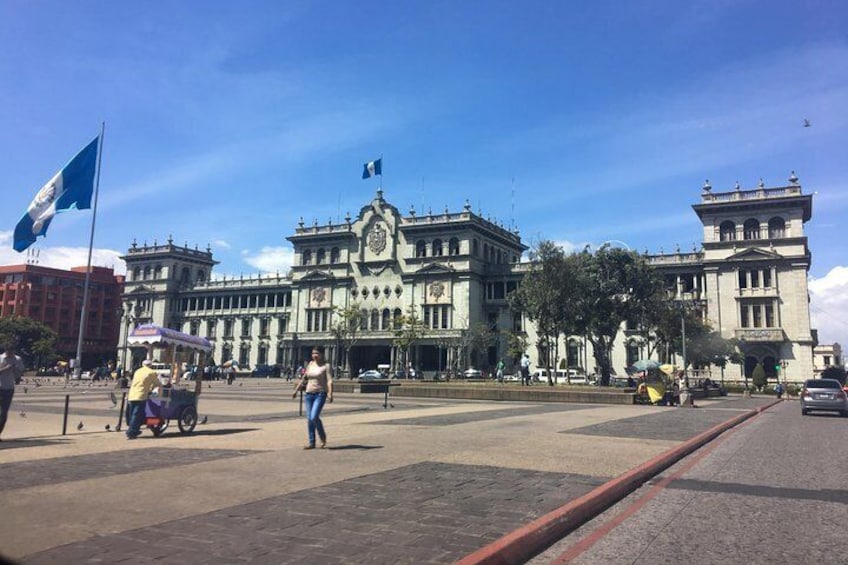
(70, 189)
(373, 168)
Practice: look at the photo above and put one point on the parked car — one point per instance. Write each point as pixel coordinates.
(511, 378)
(370, 375)
(823, 394)
(263, 371)
(472, 374)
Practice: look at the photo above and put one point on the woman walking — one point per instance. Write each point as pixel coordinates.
(318, 383)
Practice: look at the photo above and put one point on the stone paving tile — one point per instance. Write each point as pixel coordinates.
(467, 417)
(424, 513)
(669, 423)
(24, 474)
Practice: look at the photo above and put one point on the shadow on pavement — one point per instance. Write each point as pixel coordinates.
(226, 432)
(24, 442)
(355, 446)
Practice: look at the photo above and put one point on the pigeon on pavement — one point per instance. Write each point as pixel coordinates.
(80, 425)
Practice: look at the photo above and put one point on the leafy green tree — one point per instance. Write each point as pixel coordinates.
(479, 338)
(408, 329)
(516, 345)
(832, 372)
(758, 377)
(32, 340)
(345, 329)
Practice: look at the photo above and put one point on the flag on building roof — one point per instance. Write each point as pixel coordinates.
(71, 188)
(373, 168)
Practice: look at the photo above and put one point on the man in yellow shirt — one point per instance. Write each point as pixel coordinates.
(144, 380)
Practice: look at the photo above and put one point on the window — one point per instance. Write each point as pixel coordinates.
(186, 276)
(201, 276)
(157, 272)
(758, 314)
(437, 317)
(228, 328)
(245, 327)
(574, 354)
(244, 354)
(363, 319)
(147, 273)
(727, 231)
(136, 274)
(420, 248)
(307, 257)
(264, 325)
(210, 328)
(453, 246)
(317, 320)
(282, 325)
(375, 320)
(776, 228)
(437, 248)
(385, 320)
(263, 355)
(751, 229)
(194, 327)
(397, 318)
(475, 247)
(334, 255)
(321, 257)
(632, 353)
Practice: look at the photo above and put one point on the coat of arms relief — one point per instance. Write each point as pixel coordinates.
(377, 239)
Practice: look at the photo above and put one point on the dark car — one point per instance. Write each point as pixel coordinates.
(264, 371)
(823, 394)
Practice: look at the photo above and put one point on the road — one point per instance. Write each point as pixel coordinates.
(772, 490)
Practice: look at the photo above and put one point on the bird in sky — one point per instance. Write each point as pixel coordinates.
(80, 425)
(806, 123)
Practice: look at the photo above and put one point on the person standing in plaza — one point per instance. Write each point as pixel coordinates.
(317, 381)
(144, 380)
(525, 370)
(499, 371)
(11, 371)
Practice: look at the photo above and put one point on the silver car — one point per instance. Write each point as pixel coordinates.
(823, 394)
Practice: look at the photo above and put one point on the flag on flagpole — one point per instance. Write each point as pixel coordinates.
(373, 168)
(70, 189)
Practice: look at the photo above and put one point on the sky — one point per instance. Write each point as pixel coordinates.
(579, 122)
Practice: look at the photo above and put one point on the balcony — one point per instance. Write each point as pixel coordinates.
(774, 335)
(758, 292)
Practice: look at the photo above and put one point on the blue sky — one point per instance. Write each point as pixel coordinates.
(579, 122)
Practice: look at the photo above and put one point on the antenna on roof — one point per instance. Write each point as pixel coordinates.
(512, 204)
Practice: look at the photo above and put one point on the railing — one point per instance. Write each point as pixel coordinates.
(675, 258)
(756, 194)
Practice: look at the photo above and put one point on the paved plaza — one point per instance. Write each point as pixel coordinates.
(423, 481)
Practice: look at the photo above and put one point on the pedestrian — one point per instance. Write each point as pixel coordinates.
(525, 370)
(317, 382)
(145, 379)
(499, 370)
(11, 371)
(675, 392)
(779, 390)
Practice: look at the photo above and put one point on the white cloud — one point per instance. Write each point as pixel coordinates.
(829, 305)
(270, 259)
(59, 257)
(221, 243)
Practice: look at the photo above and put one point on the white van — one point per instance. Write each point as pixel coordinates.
(561, 377)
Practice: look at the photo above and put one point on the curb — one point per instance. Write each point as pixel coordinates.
(522, 544)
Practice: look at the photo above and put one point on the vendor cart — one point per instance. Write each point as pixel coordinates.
(173, 400)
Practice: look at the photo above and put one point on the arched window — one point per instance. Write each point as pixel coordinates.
(201, 276)
(751, 229)
(147, 273)
(453, 246)
(475, 247)
(437, 248)
(227, 353)
(321, 257)
(263, 355)
(499, 257)
(334, 255)
(420, 248)
(186, 276)
(244, 354)
(776, 227)
(136, 274)
(385, 319)
(396, 318)
(727, 231)
(375, 320)
(363, 319)
(157, 272)
(573, 354)
(486, 252)
(307, 257)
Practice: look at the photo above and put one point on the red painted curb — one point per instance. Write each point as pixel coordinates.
(527, 541)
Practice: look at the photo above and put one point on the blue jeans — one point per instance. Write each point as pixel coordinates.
(314, 404)
(136, 417)
(6, 403)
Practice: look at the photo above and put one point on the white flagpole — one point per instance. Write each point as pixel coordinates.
(85, 292)
(381, 172)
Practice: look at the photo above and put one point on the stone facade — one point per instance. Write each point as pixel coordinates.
(455, 270)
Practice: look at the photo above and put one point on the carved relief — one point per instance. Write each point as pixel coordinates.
(438, 292)
(377, 239)
(318, 298)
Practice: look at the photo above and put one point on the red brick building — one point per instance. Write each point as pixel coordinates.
(54, 297)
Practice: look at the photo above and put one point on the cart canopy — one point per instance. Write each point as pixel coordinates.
(150, 334)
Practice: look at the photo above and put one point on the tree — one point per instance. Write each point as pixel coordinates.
(758, 377)
(617, 285)
(348, 322)
(477, 341)
(408, 329)
(32, 340)
(516, 345)
(833, 372)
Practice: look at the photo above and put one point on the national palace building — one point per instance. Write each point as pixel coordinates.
(456, 269)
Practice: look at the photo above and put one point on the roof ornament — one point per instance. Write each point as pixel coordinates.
(300, 223)
(412, 210)
(677, 248)
(347, 217)
(170, 239)
(738, 186)
(761, 184)
(467, 206)
(707, 186)
(380, 194)
(793, 180)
